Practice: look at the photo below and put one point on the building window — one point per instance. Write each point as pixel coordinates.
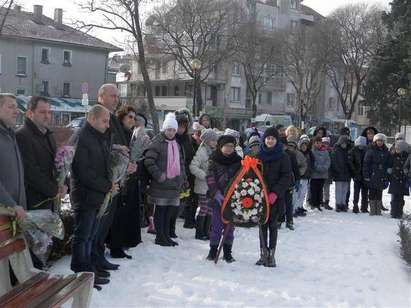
(44, 88)
(157, 91)
(67, 57)
(269, 98)
(164, 91)
(21, 66)
(331, 104)
(164, 67)
(363, 110)
(290, 99)
(268, 23)
(294, 4)
(66, 89)
(176, 91)
(235, 94)
(236, 69)
(260, 98)
(141, 91)
(20, 92)
(45, 55)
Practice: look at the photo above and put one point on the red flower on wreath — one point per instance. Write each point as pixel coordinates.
(247, 202)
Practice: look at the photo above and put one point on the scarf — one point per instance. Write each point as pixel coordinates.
(173, 159)
(270, 155)
(222, 159)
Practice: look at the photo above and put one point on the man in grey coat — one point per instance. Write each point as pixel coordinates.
(12, 193)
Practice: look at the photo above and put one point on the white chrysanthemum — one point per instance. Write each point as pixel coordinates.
(257, 181)
(243, 193)
(257, 189)
(244, 184)
(250, 191)
(237, 195)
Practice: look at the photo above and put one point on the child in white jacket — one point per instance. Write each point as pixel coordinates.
(199, 168)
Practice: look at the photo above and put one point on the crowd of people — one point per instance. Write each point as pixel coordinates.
(185, 171)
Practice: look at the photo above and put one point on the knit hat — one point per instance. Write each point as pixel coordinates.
(200, 120)
(183, 116)
(254, 140)
(232, 132)
(326, 140)
(361, 141)
(197, 126)
(380, 136)
(170, 122)
(305, 137)
(292, 140)
(208, 135)
(402, 146)
(140, 118)
(224, 139)
(343, 139)
(271, 131)
(302, 141)
(399, 136)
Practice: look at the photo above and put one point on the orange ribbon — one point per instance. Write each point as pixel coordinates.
(248, 163)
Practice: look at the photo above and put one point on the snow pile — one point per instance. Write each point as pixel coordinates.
(331, 259)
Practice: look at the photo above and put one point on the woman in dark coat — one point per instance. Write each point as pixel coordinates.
(126, 230)
(369, 133)
(398, 179)
(277, 172)
(165, 164)
(376, 164)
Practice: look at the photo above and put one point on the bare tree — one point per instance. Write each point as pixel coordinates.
(5, 7)
(305, 56)
(188, 30)
(125, 16)
(354, 32)
(258, 53)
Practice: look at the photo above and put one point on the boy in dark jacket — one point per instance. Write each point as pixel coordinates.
(398, 179)
(357, 160)
(376, 164)
(223, 166)
(340, 171)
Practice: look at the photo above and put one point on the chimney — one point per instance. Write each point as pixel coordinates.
(17, 8)
(37, 13)
(58, 16)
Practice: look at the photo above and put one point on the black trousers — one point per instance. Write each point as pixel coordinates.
(162, 219)
(360, 187)
(84, 235)
(316, 191)
(397, 205)
(375, 194)
(270, 228)
(174, 212)
(289, 208)
(103, 229)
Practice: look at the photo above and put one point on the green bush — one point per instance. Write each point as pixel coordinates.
(405, 238)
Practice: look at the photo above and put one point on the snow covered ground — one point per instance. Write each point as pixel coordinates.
(330, 260)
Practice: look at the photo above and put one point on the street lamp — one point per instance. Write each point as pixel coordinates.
(401, 93)
(195, 66)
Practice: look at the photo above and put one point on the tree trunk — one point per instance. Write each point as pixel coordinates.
(254, 106)
(144, 72)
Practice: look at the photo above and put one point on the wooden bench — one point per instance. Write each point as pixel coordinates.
(43, 289)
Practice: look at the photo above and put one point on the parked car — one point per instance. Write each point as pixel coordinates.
(76, 123)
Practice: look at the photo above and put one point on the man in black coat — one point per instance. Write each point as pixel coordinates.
(38, 149)
(108, 97)
(90, 182)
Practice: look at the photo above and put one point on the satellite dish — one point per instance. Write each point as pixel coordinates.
(124, 68)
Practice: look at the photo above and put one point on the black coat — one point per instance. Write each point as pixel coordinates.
(117, 132)
(376, 164)
(398, 179)
(294, 167)
(38, 151)
(278, 175)
(340, 166)
(357, 162)
(90, 180)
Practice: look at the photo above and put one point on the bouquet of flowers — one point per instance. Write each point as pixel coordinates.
(119, 161)
(63, 160)
(38, 228)
(246, 200)
(138, 144)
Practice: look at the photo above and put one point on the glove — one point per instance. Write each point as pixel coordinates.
(272, 197)
(162, 178)
(219, 197)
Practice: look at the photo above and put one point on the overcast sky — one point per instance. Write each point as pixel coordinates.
(72, 12)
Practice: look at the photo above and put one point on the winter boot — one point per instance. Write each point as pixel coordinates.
(364, 206)
(271, 259)
(212, 254)
(326, 205)
(279, 225)
(263, 257)
(355, 209)
(373, 207)
(189, 216)
(378, 207)
(383, 208)
(338, 208)
(228, 257)
(302, 211)
(290, 226)
(200, 224)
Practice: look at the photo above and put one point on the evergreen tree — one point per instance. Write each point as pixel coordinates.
(391, 70)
